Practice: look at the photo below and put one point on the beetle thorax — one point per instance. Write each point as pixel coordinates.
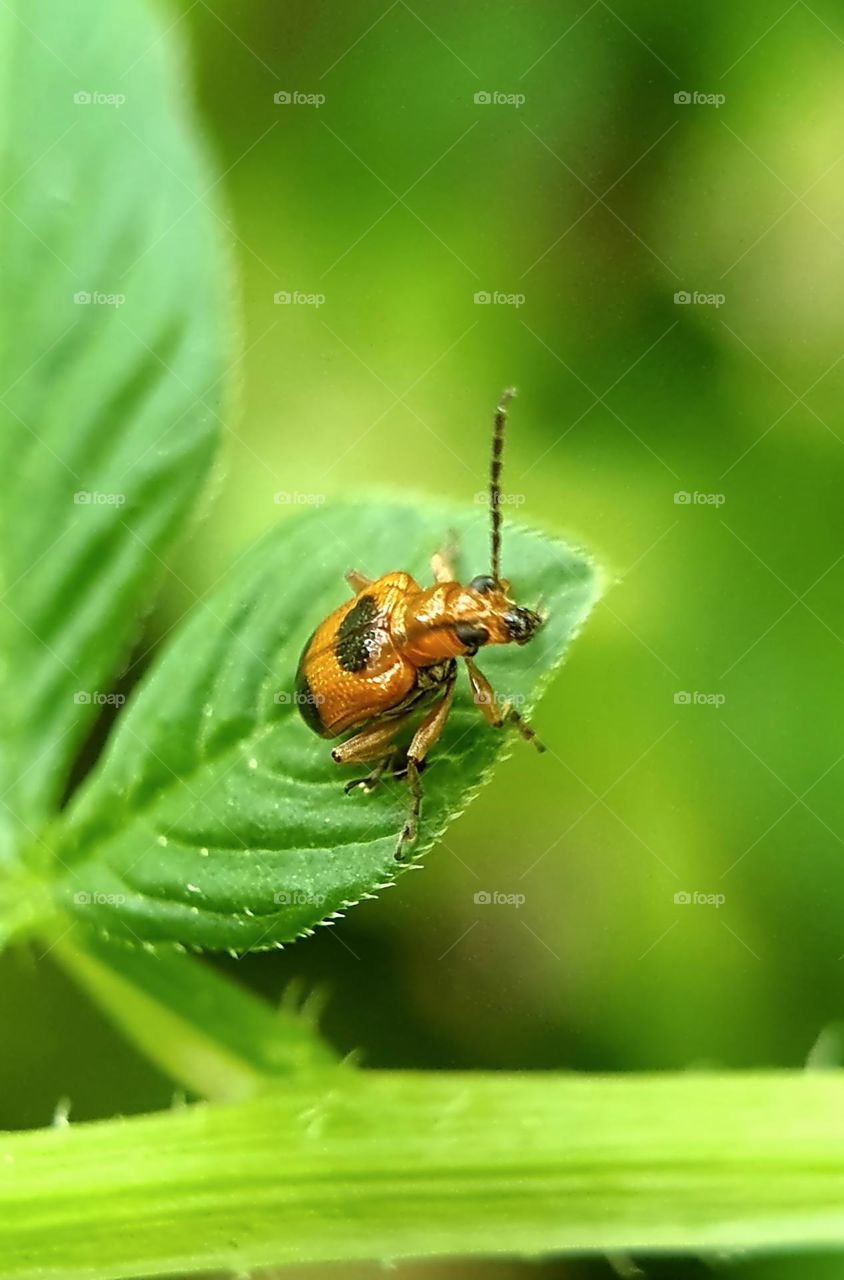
(439, 622)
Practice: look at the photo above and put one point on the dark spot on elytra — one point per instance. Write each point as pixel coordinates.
(356, 635)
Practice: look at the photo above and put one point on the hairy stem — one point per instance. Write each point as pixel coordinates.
(384, 1165)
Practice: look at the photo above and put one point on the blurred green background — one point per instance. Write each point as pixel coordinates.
(590, 205)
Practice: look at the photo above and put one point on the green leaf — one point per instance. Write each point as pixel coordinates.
(217, 819)
(387, 1165)
(210, 1034)
(112, 328)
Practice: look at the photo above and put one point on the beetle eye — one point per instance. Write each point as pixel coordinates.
(483, 584)
(471, 635)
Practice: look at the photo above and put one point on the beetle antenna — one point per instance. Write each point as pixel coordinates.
(495, 479)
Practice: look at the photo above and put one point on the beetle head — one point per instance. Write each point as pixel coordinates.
(488, 615)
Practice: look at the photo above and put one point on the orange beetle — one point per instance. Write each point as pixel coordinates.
(392, 650)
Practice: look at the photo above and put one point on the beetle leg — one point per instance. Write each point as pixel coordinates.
(370, 782)
(370, 744)
(423, 739)
(392, 763)
(442, 561)
(373, 743)
(357, 580)
(484, 697)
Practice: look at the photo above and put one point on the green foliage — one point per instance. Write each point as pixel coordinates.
(114, 323)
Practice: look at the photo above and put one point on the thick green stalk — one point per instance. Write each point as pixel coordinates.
(387, 1165)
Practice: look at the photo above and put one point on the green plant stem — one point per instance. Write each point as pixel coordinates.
(210, 1034)
(386, 1165)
